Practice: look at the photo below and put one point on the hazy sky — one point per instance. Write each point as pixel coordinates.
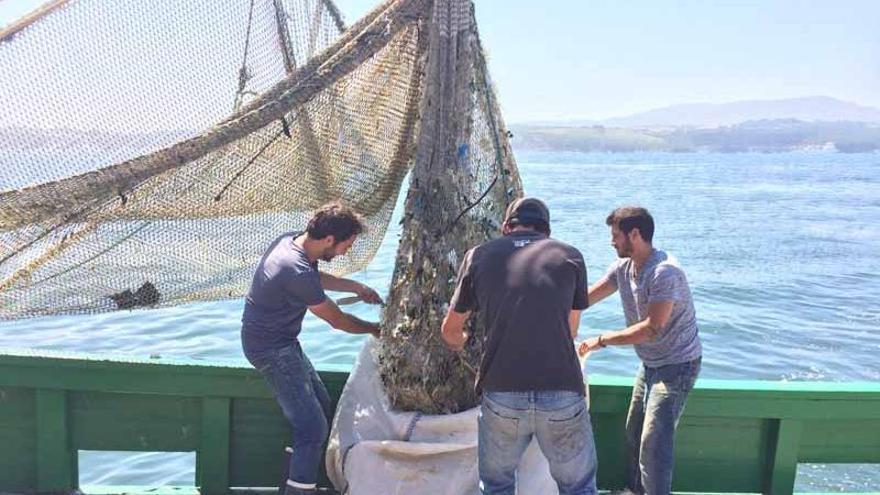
(584, 59)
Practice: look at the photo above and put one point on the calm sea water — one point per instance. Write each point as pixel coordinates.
(781, 251)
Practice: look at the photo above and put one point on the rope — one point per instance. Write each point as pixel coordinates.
(412, 426)
(499, 159)
(490, 109)
(242, 72)
(250, 162)
(470, 206)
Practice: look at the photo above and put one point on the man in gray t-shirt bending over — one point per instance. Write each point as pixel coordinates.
(286, 284)
(662, 326)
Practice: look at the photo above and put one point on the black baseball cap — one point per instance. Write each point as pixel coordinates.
(528, 210)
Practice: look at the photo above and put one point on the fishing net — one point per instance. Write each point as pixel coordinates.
(464, 178)
(150, 151)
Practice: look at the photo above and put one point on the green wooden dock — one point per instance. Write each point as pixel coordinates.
(735, 437)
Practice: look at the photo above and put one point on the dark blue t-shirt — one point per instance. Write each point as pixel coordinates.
(284, 286)
(524, 286)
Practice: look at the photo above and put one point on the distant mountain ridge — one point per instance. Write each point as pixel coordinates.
(707, 115)
(814, 123)
(767, 136)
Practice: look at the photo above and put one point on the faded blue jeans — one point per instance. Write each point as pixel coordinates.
(560, 421)
(657, 404)
(306, 405)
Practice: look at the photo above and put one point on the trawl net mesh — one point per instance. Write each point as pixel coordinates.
(151, 151)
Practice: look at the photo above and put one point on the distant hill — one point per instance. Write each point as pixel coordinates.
(768, 136)
(807, 109)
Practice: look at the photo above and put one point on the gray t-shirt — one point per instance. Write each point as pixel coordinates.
(661, 279)
(284, 285)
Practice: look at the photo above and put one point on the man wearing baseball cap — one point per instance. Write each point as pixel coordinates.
(528, 290)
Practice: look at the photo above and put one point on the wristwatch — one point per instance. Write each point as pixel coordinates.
(599, 341)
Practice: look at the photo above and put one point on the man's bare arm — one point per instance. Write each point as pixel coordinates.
(644, 331)
(330, 312)
(574, 321)
(452, 330)
(600, 290)
(334, 283)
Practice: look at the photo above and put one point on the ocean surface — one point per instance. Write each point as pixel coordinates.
(781, 251)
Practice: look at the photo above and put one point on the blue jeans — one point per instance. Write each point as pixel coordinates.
(657, 403)
(561, 422)
(306, 405)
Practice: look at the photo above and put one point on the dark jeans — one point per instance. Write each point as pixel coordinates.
(306, 405)
(658, 400)
(560, 421)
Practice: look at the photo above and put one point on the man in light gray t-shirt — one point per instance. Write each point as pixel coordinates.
(660, 279)
(662, 327)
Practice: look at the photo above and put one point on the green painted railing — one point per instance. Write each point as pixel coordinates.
(736, 436)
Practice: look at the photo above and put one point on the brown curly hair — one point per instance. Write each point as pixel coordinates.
(335, 219)
(633, 217)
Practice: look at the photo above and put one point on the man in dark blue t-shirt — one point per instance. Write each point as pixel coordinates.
(287, 282)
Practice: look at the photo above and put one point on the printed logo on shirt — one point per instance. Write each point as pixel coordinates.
(522, 242)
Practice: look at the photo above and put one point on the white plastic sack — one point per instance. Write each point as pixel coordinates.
(376, 451)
